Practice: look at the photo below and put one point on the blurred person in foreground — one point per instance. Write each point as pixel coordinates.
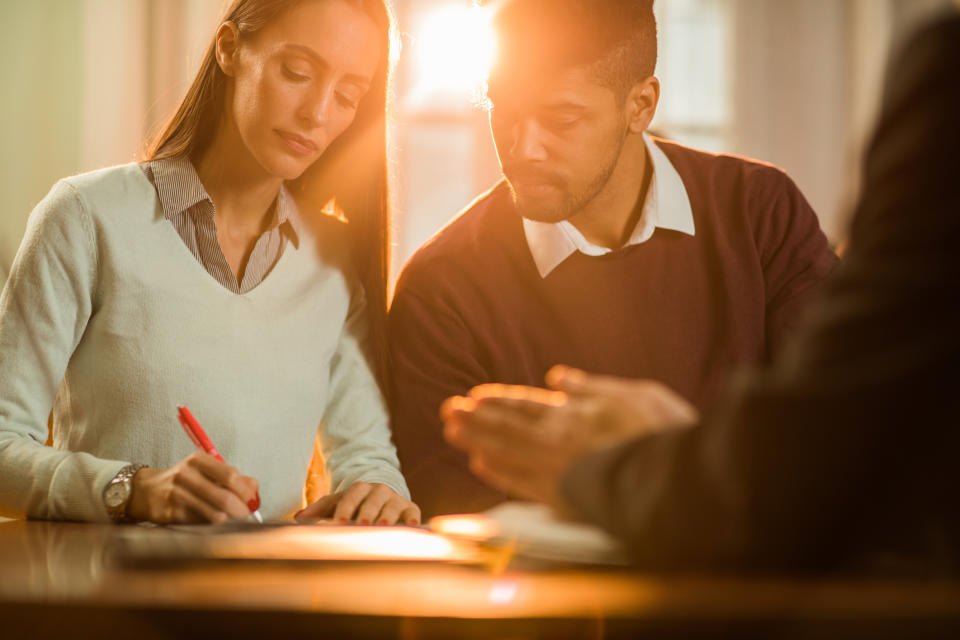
(194, 277)
(602, 247)
(844, 451)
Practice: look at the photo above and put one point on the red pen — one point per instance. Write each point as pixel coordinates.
(200, 438)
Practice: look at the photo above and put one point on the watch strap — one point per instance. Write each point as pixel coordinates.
(124, 476)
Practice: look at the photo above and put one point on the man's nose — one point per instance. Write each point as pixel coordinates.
(528, 141)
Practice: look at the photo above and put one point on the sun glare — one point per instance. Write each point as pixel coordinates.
(452, 50)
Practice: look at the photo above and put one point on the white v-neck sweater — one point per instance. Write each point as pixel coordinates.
(107, 317)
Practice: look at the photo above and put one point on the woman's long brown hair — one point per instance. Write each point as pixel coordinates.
(352, 172)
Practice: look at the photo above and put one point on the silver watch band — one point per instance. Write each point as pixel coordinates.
(121, 485)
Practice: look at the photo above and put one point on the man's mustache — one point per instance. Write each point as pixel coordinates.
(517, 173)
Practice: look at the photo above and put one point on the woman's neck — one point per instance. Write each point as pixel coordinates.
(241, 191)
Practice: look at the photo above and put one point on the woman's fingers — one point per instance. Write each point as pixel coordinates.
(244, 487)
(322, 508)
(365, 503)
(200, 485)
(411, 515)
(397, 510)
(373, 503)
(350, 500)
(189, 508)
(199, 488)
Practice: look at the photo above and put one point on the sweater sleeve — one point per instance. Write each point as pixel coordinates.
(433, 357)
(44, 310)
(795, 256)
(355, 434)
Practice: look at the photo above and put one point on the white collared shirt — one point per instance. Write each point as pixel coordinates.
(667, 207)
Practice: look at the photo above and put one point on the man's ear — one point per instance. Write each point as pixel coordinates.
(642, 103)
(228, 46)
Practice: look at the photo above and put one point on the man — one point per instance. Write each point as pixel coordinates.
(602, 248)
(843, 454)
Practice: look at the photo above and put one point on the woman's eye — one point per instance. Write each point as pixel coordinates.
(347, 101)
(290, 74)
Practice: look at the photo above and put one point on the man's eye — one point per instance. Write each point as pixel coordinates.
(561, 124)
(290, 74)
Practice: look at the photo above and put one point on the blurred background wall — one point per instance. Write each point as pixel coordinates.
(793, 82)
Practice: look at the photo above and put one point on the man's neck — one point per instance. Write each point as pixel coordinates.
(610, 217)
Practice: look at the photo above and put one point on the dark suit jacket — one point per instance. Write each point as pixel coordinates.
(847, 450)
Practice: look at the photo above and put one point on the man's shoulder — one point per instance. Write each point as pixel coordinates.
(732, 186)
(472, 239)
(697, 165)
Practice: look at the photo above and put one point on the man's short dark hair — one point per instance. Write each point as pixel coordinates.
(616, 39)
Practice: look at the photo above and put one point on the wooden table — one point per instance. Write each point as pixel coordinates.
(57, 580)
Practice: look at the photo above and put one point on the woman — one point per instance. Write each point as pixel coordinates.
(192, 279)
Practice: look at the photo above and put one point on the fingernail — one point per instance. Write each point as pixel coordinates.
(365, 521)
(253, 504)
(342, 520)
(414, 522)
(297, 514)
(383, 521)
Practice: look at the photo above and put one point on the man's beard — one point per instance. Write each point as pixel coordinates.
(568, 204)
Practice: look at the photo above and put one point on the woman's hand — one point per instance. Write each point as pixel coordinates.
(198, 489)
(366, 504)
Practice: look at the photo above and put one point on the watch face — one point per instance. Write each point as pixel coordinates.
(115, 494)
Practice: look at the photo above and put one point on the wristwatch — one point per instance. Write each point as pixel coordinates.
(116, 495)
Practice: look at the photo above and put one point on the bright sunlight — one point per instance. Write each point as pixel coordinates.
(452, 49)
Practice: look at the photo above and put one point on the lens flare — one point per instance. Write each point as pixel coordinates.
(452, 49)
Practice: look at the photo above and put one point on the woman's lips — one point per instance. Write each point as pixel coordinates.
(298, 143)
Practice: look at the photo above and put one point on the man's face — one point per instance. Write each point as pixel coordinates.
(558, 142)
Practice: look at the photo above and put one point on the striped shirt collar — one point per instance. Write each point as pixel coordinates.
(667, 207)
(179, 188)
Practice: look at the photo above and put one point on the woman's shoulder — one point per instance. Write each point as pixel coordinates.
(110, 181)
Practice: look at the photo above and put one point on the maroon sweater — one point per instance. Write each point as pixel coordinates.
(470, 307)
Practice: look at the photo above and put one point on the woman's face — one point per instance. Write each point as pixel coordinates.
(298, 80)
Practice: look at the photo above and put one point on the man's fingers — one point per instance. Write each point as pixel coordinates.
(521, 397)
(510, 479)
(576, 382)
(501, 418)
(495, 445)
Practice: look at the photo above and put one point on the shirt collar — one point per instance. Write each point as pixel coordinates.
(179, 188)
(667, 207)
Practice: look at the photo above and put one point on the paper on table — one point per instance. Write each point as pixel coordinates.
(291, 543)
(535, 531)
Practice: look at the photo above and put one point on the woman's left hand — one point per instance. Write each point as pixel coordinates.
(366, 504)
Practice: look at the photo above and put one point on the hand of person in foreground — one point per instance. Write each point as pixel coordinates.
(198, 489)
(522, 440)
(365, 503)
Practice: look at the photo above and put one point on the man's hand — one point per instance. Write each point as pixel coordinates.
(522, 440)
(366, 504)
(621, 408)
(198, 489)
